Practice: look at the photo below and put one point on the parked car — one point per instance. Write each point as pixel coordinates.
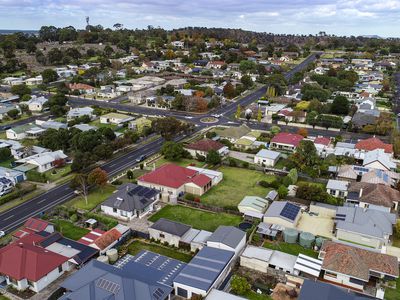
(141, 158)
(2, 233)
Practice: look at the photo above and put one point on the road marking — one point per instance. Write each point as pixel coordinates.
(8, 217)
(41, 201)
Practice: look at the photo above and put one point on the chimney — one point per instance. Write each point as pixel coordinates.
(361, 192)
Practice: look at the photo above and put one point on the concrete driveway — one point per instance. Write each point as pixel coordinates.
(242, 156)
(317, 225)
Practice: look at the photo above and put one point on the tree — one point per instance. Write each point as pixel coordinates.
(49, 75)
(97, 177)
(246, 81)
(293, 175)
(5, 154)
(21, 90)
(303, 132)
(167, 127)
(259, 115)
(213, 157)
(239, 285)
(13, 113)
(173, 151)
(306, 155)
(238, 112)
(282, 191)
(55, 56)
(247, 66)
(229, 90)
(340, 105)
(275, 130)
(80, 184)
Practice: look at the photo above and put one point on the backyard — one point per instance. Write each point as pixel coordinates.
(197, 218)
(393, 294)
(95, 197)
(138, 246)
(293, 249)
(69, 230)
(237, 184)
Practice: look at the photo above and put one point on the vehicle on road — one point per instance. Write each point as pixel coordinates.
(2, 233)
(188, 117)
(216, 116)
(141, 158)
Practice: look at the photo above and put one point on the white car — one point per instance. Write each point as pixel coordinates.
(2, 233)
(216, 116)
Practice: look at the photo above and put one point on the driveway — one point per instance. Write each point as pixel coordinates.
(242, 156)
(317, 225)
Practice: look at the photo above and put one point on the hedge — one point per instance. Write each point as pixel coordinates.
(15, 194)
(36, 176)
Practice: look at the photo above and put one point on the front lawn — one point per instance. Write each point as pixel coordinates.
(237, 184)
(95, 197)
(182, 162)
(197, 218)
(69, 230)
(138, 246)
(7, 163)
(393, 294)
(57, 173)
(293, 249)
(100, 125)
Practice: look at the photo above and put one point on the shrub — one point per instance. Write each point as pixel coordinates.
(189, 197)
(106, 221)
(232, 162)
(36, 176)
(286, 181)
(129, 174)
(239, 285)
(282, 191)
(17, 193)
(116, 182)
(74, 218)
(245, 165)
(263, 183)
(201, 158)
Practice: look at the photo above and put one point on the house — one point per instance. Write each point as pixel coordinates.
(260, 259)
(36, 104)
(34, 225)
(216, 64)
(25, 265)
(356, 268)
(115, 118)
(141, 277)
(24, 131)
(169, 232)
(286, 141)
(80, 112)
(16, 148)
(178, 44)
(283, 213)
(379, 159)
(44, 161)
(361, 119)
(207, 270)
(81, 88)
(373, 144)
(228, 238)
(364, 226)
(216, 176)
(337, 188)
(370, 195)
(51, 124)
(5, 108)
(131, 201)
(84, 127)
(13, 175)
(267, 158)
(254, 204)
(140, 124)
(107, 240)
(173, 181)
(318, 290)
(232, 134)
(204, 146)
(377, 176)
(274, 109)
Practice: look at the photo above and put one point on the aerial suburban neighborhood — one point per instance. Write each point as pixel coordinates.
(198, 163)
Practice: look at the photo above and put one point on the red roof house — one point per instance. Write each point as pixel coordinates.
(322, 141)
(91, 237)
(286, 141)
(373, 144)
(204, 146)
(80, 87)
(33, 225)
(24, 261)
(175, 180)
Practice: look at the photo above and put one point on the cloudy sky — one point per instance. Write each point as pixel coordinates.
(341, 17)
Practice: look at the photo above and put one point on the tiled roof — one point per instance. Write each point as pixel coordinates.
(287, 138)
(80, 86)
(175, 176)
(23, 259)
(322, 141)
(205, 145)
(36, 224)
(357, 262)
(374, 143)
(377, 194)
(107, 238)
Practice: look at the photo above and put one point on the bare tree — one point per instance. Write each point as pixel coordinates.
(80, 184)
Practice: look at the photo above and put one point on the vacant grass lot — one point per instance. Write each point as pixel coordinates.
(197, 218)
(138, 246)
(237, 184)
(182, 162)
(69, 230)
(293, 249)
(96, 196)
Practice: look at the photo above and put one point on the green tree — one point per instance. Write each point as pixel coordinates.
(259, 115)
(247, 66)
(340, 105)
(5, 153)
(240, 285)
(213, 158)
(238, 112)
(21, 90)
(13, 113)
(49, 75)
(168, 127)
(246, 81)
(173, 151)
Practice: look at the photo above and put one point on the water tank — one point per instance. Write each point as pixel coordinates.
(306, 239)
(319, 241)
(112, 255)
(290, 235)
(103, 259)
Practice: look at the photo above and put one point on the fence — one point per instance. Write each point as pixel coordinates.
(208, 207)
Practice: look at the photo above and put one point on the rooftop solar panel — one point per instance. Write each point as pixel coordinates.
(108, 285)
(290, 211)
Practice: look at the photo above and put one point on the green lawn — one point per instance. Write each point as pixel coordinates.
(59, 173)
(393, 294)
(183, 162)
(95, 197)
(254, 296)
(138, 246)
(237, 184)
(4, 297)
(7, 163)
(100, 125)
(293, 249)
(69, 230)
(312, 183)
(199, 219)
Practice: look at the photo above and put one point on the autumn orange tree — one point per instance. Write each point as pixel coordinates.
(98, 177)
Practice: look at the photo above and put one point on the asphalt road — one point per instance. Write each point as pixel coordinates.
(13, 218)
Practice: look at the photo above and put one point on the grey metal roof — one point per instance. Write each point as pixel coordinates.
(268, 154)
(277, 209)
(365, 221)
(227, 235)
(171, 227)
(339, 185)
(316, 290)
(204, 269)
(131, 196)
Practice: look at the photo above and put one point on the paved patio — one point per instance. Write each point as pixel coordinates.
(317, 225)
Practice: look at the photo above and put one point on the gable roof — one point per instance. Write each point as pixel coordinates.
(36, 224)
(357, 262)
(23, 259)
(233, 132)
(130, 197)
(256, 203)
(107, 238)
(374, 143)
(205, 145)
(175, 176)
(317, 290)
(377, 194)
(227, 235)
(171, 227)
(322, 141)
(264, 153)
(283, 209)
(287, 138)
(379, 155)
